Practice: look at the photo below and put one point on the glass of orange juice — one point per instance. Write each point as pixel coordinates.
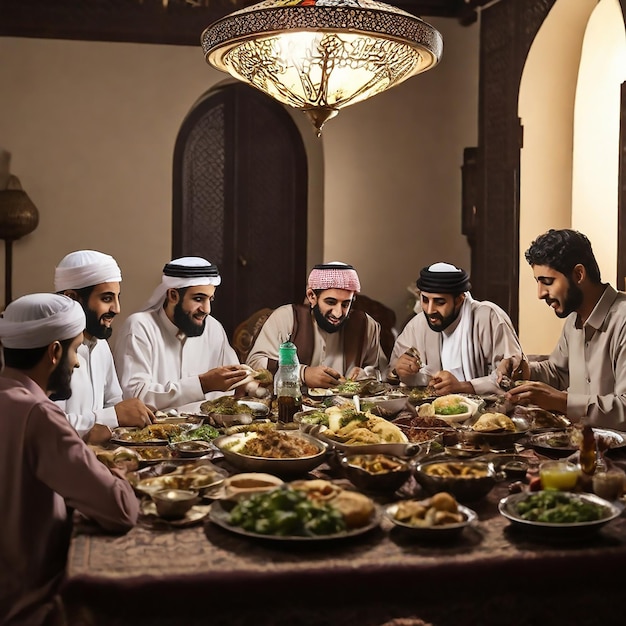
(558, 475)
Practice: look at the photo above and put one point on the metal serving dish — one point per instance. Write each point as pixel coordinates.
(465, 480)
(277, 466)
(376, 472)
(496, 440)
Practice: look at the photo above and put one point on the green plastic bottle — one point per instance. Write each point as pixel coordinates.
(287, 382)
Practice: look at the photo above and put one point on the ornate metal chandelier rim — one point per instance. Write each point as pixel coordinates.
(266, 22)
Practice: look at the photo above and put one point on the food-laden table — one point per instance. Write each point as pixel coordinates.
(491, 574)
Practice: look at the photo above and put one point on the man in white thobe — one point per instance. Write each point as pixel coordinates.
(93, 280)
(172, 352)
(460, 341)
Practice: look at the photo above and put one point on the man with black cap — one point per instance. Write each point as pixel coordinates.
(332, 339)
(172, 352)
(46, 469)
(458, 341)
(584, 376)
(93, 279)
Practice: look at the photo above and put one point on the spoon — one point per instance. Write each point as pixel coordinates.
(357, 403)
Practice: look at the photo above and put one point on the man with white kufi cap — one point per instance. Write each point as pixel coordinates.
(93, 279)
(458, 341)
(46, 468)
(333, 340)
(172, 352)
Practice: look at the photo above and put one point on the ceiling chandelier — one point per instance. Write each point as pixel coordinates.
(320, 56)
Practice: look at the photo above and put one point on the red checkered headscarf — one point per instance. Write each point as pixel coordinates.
(335, 275)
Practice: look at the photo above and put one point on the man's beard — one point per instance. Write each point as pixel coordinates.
(444, 321)
(185, 322)
(61, 378)
(324, 324)
(94, 325)
(573, 299)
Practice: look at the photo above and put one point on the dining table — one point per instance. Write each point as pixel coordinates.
(492, 573)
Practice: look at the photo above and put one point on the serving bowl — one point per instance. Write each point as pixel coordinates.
(376, 472)
(439, 403)
(230, 445)
(433, 533)
(197, 475)
(174, 503)
(496, 440)
(466, 480)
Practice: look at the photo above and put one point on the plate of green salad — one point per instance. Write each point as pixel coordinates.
(558, 514)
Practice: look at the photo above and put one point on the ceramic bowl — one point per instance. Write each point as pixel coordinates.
(174, 503)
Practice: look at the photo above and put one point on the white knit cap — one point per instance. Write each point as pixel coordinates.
(38, 319)
(85, 268)
(188, 271)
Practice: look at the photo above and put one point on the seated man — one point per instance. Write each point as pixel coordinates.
(93, 280)
(173, 352)
(333, 340)
(460, 341)
(46, 468)
(584, 376)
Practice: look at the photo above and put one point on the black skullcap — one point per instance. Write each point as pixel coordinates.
(178, 270)
(443, 278)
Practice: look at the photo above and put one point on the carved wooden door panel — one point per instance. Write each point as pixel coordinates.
(240, 200)
(507, 32)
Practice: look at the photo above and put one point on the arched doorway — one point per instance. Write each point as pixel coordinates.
(240, 199)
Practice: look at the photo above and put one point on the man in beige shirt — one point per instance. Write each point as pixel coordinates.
(584, 376)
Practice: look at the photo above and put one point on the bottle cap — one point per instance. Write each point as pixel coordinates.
(287, 354)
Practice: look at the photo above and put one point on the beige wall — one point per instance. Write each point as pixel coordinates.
(569, 163)
(92, 125)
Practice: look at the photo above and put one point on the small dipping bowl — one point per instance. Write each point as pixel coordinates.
(515, 469)
(174, 503)
(558, 475)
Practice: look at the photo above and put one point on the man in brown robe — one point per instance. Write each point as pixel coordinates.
(333, 339)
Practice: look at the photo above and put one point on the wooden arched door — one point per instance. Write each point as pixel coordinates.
(240, 199)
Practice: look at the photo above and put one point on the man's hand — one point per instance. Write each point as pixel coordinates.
(133, 412)
(222, 378)
(407, 366)
(356, 373)
(321, 376)
(512, 369)
(539, 394)
(445, 382)
(99, 435)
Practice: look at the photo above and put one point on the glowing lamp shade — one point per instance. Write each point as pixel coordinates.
(320, 56)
